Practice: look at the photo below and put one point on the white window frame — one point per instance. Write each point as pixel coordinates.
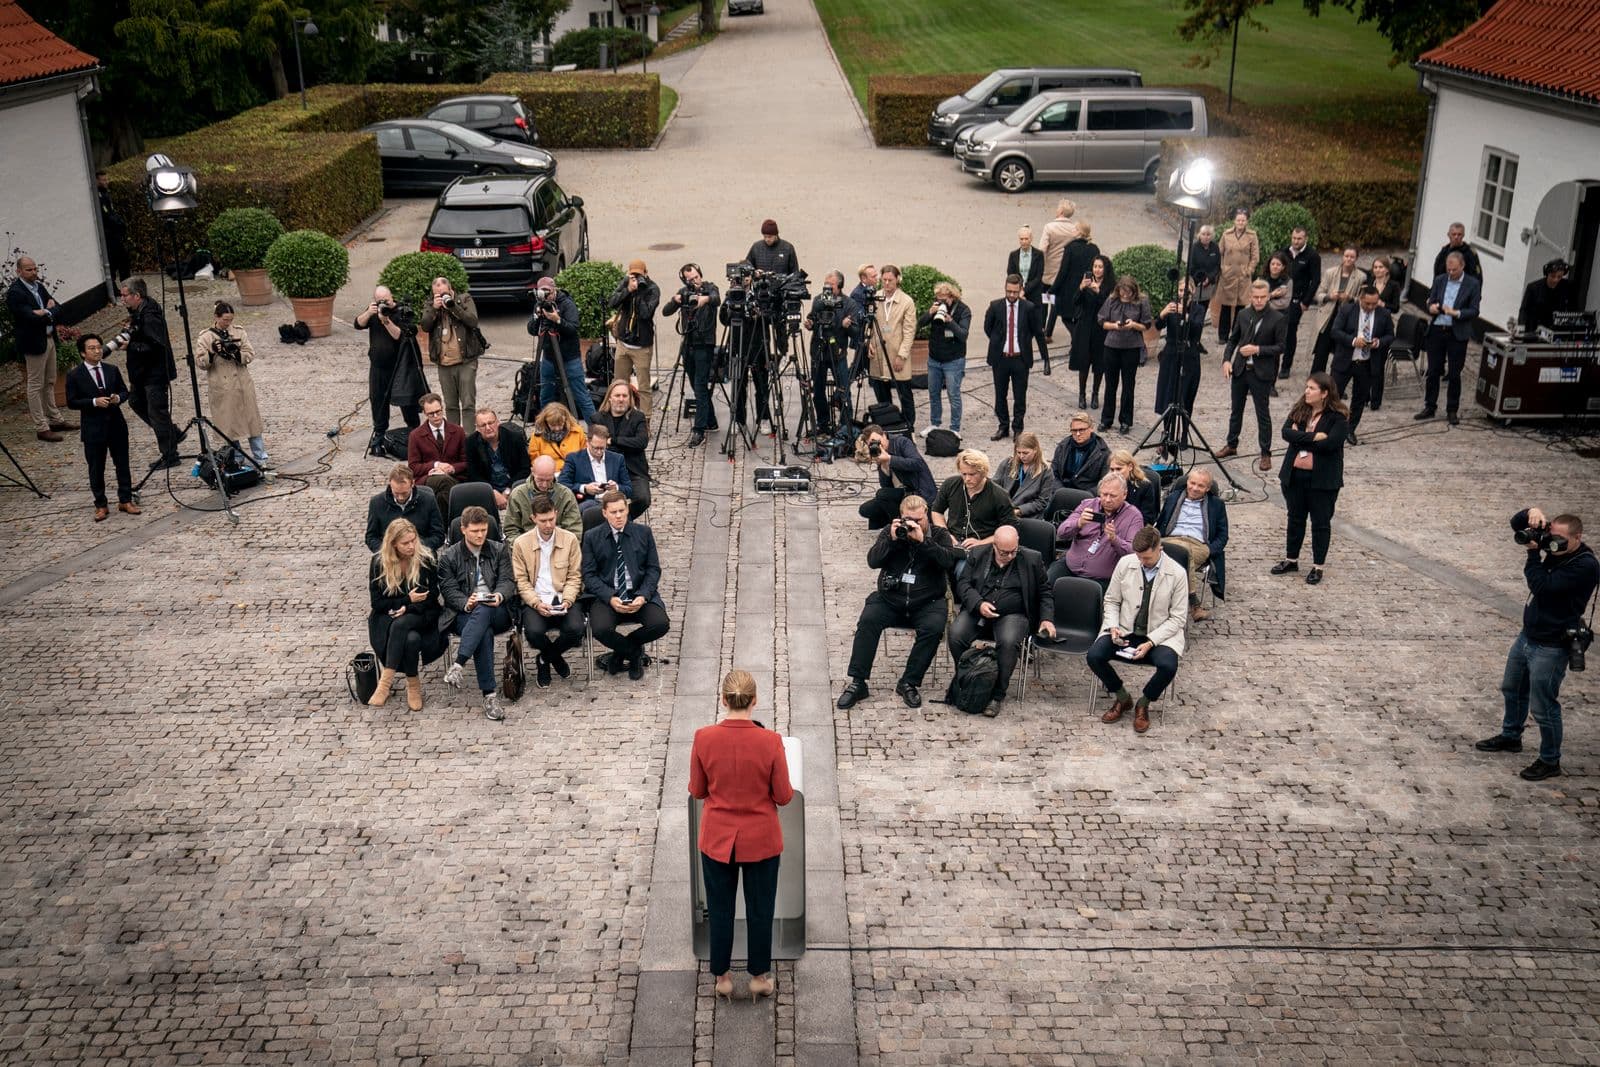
(1487, 220)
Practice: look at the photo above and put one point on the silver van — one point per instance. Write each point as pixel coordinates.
(1089, 135)
(1004, 91)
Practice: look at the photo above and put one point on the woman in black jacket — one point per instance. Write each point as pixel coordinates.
(630, 436)
(1312, 471)
(1182, 322)
(404, 623)
(1088, 339)
(1075, 262)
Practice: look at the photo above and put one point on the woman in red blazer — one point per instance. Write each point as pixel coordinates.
(737, 767)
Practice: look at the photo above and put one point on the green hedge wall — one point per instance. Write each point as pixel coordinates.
(587, 110)
(898, 105)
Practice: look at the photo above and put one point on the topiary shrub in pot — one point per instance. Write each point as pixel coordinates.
(1274, 222)
(309, 267)
(1151, 267)
(239, 239)
(409, 277)
(591, 284)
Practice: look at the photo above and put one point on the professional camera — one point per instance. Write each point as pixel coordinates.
(826, 309)
(1543, 537)
(1579, 638)
(740, 273)
(689, 294)
(874, 449)
(227, 347)
(119, 341)
(401, 314)
(901, 532)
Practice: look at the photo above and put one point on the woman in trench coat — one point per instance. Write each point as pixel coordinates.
(226, 355)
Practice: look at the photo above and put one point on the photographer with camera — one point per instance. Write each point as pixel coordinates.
(633, 304)
(696, 307)
(772, 254)
(740, 311)
(554, 325)
(1562, 574)
(948, 321)
(834, 323)
(230, 389)
(914, 560)
(394, 368)
(151, 369)
(902, 472)
(454, 345)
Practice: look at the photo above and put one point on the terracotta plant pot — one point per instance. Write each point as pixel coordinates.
(254, 288)
(316, 312)
(61, 389)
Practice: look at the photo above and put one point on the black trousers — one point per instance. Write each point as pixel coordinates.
(1380, 363)
(698, 359)
(96, 452)
(151, 400)
(1321, 349)
(553, 635)
(760, 898)
(822, 366)
(1007, 632)
(1165, 661)
(755, 361)
(1059, 569)
(899, 394)
(606, 622)
(639, 499)
(1446, 357)
(1291, 340)
(1010, 373)
(1225, 314)
(1316, 503)
(883, 508)
(410, 641)
(877, 615)
(1245, 383)
(1355, 385)
(380, 375)
(1122, 366)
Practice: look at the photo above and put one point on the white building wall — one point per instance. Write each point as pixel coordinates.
(1551, 149)
(49, 203)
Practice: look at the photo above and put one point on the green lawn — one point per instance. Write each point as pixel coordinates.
(1297, 59)
(669, 102)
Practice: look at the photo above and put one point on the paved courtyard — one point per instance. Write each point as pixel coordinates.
(210, 854)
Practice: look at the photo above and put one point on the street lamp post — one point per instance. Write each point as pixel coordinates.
(651, 17)
(309, 29)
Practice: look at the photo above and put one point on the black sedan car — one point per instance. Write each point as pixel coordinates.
(492, 114)
(508, 231)
(423, 155)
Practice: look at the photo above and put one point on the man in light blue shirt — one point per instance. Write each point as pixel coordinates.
(1453, 303)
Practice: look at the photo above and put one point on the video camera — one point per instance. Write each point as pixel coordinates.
(227, 347)
(826, 309)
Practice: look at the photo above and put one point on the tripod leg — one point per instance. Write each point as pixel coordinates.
(674, 388)
(27, 480)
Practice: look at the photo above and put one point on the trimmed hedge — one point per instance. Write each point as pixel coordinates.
(590, 284)
(898, 105)
(1150, 266)
(918, 280)
(410, 276)
(1274, 224)
(582, 47)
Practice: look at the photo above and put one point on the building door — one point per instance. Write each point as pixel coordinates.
(1567, 225)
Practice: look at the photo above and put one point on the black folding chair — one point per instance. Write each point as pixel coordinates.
(1407, 346)
(1038, 535)
(1077, 622)
(1063, 501)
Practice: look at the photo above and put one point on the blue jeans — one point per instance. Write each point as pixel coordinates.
(1532, 682)
(946, 376)
(550, 388)
(476, 630)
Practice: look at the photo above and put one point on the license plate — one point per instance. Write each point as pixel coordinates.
(478, 253)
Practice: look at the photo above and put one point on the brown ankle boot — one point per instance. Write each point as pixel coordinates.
(380, 695)
(414, 693)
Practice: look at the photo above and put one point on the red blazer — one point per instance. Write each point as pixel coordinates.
(738, 769)
(422, 451)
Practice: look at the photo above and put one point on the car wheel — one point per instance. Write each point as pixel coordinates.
(1013, 175)
(1150, 174)
(583, 243)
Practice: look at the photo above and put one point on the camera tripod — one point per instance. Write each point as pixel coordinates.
(743, 332)
(788, 355)
(871, 340)
(675, 387)
(408, 350)
(26, 482)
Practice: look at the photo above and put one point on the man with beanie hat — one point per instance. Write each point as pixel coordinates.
(635, 303)
(772, 253)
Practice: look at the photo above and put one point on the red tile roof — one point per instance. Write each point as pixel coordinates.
(29, 51)
(1547, 45)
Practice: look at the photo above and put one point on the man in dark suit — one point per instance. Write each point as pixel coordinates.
(1453, 303)
(152, 369)
(1004, 596)
(33, 311)
(1457, 242)
(1362, 333)
(1305, 268)
(96, 390)
(498, 454)
(1027, 262)
(436, 452)
(622, 571)
(403, 498)
(594, 470)
(1014, 330)
(1256, 342)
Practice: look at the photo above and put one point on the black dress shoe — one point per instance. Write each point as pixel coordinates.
(1104, 427)
(164, 462)
(541, 673)
(561, 665)
(1284, 373)
(992, 709)
(1353, 439)
(1000, 435)
(1376, 405)
(1083, 400)
(1499, 743)
(636, 667)
(697, 439)
(1453, 418)
(1314, 576)
(1425, 413)
(1539, 770)
(1094, 400)
(615, 664)
(1284, 566)
(853, 693)
(910, 694)
(1126, 427)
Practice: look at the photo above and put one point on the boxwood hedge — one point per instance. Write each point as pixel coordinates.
(898, 105)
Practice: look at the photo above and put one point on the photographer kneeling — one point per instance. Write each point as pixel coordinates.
(834, 323)
(902, 472)
(554, 326)
(1562, 574)
(913, 559)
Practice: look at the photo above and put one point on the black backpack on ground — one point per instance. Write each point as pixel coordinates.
(235, 472)
(977, 673)
(395, 442)
(525, 392)
(941, 442)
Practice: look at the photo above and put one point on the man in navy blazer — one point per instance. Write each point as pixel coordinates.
(1362, 333)
(1014, 331)
(96, 390)
(1453, 303)
(33, 315)
(594, 469)
(622, 572)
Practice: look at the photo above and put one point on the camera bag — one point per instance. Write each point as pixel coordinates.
(395, 443)
(977, 673)
(235, 473)
(941, 442)
(512, 679)
(361, 676)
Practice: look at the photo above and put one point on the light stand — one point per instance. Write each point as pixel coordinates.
(1188, 190)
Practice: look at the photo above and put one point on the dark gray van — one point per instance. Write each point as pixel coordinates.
(1004, 91)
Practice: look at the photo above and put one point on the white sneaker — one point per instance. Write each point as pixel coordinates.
(926, 430)
(764, 428)
(492, 708)
(452, 676)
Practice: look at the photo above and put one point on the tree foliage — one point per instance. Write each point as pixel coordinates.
(456, 29)
(1410, 27)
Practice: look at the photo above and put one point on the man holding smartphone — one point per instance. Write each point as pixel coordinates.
(1146, 611)
(549, 574)
(475, 576)
(593, 471)
(622, 571)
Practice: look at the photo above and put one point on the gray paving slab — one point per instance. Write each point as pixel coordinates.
(663, 1023)
(828, 1009)
(744, 1032)
(808, 1054)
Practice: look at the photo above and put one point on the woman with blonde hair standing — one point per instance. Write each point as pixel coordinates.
(230, 389)
(738, 768)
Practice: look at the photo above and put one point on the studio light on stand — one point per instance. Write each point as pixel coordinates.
(172, 192)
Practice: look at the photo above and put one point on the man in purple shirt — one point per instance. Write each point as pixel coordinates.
(1098, 533)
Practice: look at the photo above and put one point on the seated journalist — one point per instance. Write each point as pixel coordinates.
(497, 453)
(902, 472)
(402, 498)
(622, 571)
(548, 567)
(1098, 533)
(1146, 611)
(542, 482)
(1004, 597)
(479, 589)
